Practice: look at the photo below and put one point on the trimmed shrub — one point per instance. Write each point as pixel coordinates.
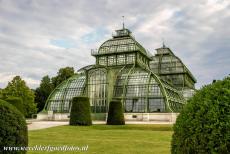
(80, 112)
(13, 129)
(17, 102)
(115, 114)
(203, 126)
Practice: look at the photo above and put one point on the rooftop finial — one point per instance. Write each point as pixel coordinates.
(163, 43)
(123, 17)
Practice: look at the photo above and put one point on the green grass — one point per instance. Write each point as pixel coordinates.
(104, 139)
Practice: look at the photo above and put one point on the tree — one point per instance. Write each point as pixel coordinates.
(80, 112)
(17, 102)
(48, 84)
(43, 92)
(1, 94)
(203, 125)
(115, 114)
(63, 74)
(18, 88)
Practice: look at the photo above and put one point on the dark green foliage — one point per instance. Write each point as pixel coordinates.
(203, 126)
(43, 92)
(62, 75)
(13, 129)
(18, 88)
(80, 112)
(1, 95)
(17, 102)
(47, 85)
(115, 114)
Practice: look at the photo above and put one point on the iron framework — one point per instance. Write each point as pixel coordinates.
(125, 70)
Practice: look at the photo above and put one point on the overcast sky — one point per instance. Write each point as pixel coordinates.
(37, 37)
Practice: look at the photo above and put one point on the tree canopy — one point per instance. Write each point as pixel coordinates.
(18, 88)
(48, 84)
(43, 92)
(62, 75)
(17, 102)
(1, 93)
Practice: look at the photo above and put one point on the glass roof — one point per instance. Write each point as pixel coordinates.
(170, 68)
(136, 82)
(125, 44)
(173, 64)
(60, 98)
(123, 41)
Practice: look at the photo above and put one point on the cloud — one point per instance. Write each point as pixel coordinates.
(39, 37)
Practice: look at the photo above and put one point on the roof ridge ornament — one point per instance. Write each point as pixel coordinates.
(123, 23)
(163, 43)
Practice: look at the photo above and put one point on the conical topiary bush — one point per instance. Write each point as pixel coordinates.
(116, 113)
(80, 112)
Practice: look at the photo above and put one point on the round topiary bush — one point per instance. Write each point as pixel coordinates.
(13, 129)
(115, 114)
(80, 112)
(17, 102)
(203, 126)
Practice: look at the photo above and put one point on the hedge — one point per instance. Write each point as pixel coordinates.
(203, 126)
(13, 128)
(80, 112)
(115, 114)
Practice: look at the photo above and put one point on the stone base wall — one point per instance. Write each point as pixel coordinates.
(167, 117)
(53, 117)
(164, 117)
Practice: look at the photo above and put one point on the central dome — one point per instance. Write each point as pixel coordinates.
(122, 41)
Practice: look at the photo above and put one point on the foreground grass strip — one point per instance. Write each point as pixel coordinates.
(103, 139)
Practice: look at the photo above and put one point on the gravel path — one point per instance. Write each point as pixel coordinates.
(35, 125)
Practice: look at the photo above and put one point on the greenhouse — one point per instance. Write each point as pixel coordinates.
(147, 85)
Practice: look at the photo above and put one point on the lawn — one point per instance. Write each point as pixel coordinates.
(127, 139)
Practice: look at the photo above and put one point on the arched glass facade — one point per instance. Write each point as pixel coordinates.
(61, 98)
(97, 90)
(142, 92)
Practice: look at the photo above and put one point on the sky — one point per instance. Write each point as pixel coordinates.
(38, 37)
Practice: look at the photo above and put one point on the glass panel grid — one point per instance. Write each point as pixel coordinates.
(60, 100)
(97, 90)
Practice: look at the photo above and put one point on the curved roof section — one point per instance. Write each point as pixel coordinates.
(123, 41)
(59, 100)
(147, 85)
